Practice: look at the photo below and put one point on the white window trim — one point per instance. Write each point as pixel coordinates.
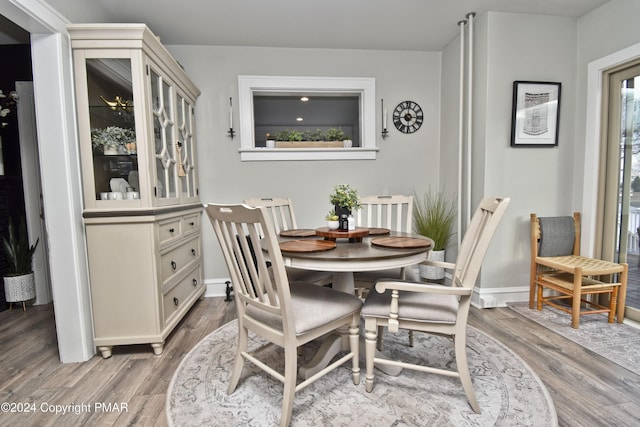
(365, 86)
(596, 71)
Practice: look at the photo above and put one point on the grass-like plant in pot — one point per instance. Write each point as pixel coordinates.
(433, 216)
(19, 283)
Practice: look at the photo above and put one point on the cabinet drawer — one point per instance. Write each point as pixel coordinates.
(169, 231)
(179, 259)
(191, 224)
(175, 298)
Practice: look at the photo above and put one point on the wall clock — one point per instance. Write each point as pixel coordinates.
(408, 117)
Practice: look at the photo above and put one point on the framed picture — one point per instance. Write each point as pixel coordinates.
(536, 114)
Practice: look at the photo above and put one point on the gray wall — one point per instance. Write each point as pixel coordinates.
(596, 41)
(508, 47)
(548, 181)
(535, 48)
(404, 163)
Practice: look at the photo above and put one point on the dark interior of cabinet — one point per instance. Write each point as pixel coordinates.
(108, 80)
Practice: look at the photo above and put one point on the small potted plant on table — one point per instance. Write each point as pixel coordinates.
(332, 220)
(19, 283)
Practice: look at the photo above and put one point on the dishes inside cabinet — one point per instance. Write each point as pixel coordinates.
(119, 185)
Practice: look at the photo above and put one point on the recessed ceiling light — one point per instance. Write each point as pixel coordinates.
(304, 99)
(299, 119)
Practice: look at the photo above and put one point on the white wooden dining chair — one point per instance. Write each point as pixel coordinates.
(287, 316)
(432, 308)
(282, 215)
(393, 212)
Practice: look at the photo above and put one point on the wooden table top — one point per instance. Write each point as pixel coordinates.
(363, 251)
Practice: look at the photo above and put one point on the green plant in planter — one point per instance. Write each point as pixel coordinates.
(17, 250)
(289, 135)
(111, 137)
(345, 197)
(331, 216)
(433, 217)
(313, 135)
(333, 134)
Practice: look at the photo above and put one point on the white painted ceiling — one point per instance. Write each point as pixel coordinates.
(421, 25)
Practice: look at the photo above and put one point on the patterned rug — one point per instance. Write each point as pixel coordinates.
(508, 391)
(617, 342)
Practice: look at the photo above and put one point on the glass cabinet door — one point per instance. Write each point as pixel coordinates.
(113, 133)
(186, 148)
(166, 166)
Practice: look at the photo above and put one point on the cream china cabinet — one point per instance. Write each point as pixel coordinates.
(142, 210)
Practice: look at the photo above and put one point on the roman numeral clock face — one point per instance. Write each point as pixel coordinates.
(408, 117)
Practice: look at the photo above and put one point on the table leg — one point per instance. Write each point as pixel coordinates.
(343, 282)
(331, 345)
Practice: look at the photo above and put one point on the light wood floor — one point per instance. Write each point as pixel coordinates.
(587, 389)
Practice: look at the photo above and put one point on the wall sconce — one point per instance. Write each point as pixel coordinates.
(385, 132)
(231, 132)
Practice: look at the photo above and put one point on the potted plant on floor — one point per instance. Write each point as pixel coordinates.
(19, 283)
(433, 217)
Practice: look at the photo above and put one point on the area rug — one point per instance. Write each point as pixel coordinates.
(508, 391)
(616, 342)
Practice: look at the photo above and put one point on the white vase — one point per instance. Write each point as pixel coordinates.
(19, 288)
(430, 272)
(110, 150)
(333, 225)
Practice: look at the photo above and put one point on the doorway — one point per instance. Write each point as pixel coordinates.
(620, 196)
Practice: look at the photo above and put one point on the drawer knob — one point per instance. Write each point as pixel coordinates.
(176, 301)
(172, 230)
(193, 252)
(195, 282)
(192, 223)
(174, 265)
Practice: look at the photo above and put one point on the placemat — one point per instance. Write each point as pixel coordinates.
(401, 242)
(298, 232)
(378, 231)
(307, 245)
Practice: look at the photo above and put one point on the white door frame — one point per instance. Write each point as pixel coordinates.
(60, 171)
(596, 70)
(33, 189)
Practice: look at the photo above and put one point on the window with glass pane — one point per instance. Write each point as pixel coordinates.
(113, 134)
(163, 130)
(306, 120)
(186, 161)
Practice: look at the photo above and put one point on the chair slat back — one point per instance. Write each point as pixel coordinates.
(475, 242)
(555, 228)
(394, 212)
(246, 251)
(280, 211)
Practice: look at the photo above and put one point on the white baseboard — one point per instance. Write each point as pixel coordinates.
(216, 287)
(499, 297)
(482, 297)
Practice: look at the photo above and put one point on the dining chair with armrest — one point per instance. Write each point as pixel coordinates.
(556, 264)
(287, 315)
(434, 308)
(282, 214)
(394, 212)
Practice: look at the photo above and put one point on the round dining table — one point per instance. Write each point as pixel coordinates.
(380, 250)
